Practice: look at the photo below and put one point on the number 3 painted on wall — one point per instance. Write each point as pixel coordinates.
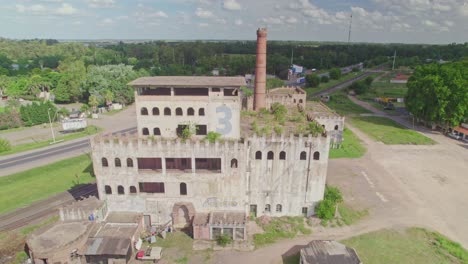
(225, 121)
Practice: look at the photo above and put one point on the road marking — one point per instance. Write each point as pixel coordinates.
(368, 179)
(382, 198)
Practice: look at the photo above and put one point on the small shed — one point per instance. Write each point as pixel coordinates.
(328, 252)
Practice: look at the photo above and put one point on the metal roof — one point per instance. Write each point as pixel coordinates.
(108, 246)
(328, 252)
(189, 81)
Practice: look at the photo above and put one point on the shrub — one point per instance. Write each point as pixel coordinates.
(246, 91)
(37, 113)
(315, 128)
(324, 79)
(312, 80)
(333, 194)
(4, 145)
(10, 119)
(223, 240)
(279, 111)
(212, 137)
(325, 210)
(279, 130)
(335, 74)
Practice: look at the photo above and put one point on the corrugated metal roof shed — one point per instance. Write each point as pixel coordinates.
(328, 252)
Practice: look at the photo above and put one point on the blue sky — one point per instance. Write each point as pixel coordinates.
(407, 21)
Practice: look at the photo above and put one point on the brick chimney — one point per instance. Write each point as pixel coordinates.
(260, 69)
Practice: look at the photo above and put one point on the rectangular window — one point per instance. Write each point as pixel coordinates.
(216, 232)
(149, 164)
(304, 211)
(230, 92)
(201, 130)
(151, 187)
(180, 129)
(155, 91)
(178, 164)
(212, 164)
(240, 233)
(191, 91)
(228, 232)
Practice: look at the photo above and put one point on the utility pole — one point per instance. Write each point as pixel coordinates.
(394, 57)
(51, 128)
(292, 56)
(350, 23)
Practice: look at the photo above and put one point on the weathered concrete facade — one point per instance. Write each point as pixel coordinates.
(289, 96)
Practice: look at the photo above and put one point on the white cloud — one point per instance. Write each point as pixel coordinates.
(231, 5)
(41, 10)
(203, 24)
(106, 22)
(100, 3)
(272, 20)
(238, 22)
(291, 20)
(66, 9)
(221, 21)
(159, 14)
(33, 9)
(202, 13)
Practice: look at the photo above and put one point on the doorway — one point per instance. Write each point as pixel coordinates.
(253, 210)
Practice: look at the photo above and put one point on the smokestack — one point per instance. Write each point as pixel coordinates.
(260, 69)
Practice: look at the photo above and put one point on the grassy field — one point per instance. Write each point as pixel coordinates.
(90, 130)
(350, 148)
(22, 189)
(177, 248)
(388, 131)
(414, 245)
(280, 228)
(342, 105)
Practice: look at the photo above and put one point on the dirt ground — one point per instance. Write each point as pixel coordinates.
(400, 185)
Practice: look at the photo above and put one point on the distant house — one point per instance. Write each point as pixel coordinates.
(328, 252)
(400, 78)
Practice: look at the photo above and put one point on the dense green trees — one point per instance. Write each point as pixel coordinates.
(335, 74)
(438, 93)
(312, 80)
(37, 113)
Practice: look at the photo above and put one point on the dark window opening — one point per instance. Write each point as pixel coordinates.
(216, 90)
(129, 162)
(145, 131)
(234, 163)
(190, 111)
(270, 155)
(336, 127)
(167, 111)
(156, 131)
(155, 111)
(151, 187)
(210, 164)
(180, 129)
(183, 188)
(104, 162)
(149, 163)
(178, 111)
(191, 91)
(144, 111)
(120, 190)
(117, 162)
(279, 208)
(108, 189)
(156, 91)
(316, 155)
(300, 101)
(133, 189)
(282, 155)
(230, 92)
(258, 155)
(178, 164)
(304, 211)
(267, 208)
(303, 155)
(201, 130)
(201, 111)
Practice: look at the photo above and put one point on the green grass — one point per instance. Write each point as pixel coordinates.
(351, 147)
(388, 131)
(350, 216)
(414, 245)
(279, 228)
(23, 188)
(340, 102)
(323, 86)
(90, 130)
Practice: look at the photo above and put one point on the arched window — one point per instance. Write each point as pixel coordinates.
(120, 190)
(303, 155)
(190, 111)
(258, 155)
(145, 131)
(279, 208)
(300, 101)
(294, 101)
(336, 127)
(108, 189)
(282, 155)
(267, 208)
(155, 111)
(144, 111)
(117, 162)
(178, 111)
(201, 111)
(270, 155)
(316, 155)
(183, 188)
(234, 163)
(323, 126)
(104, 162)
(129, 162)
(132, 189)
(156, 131)
(167, 111)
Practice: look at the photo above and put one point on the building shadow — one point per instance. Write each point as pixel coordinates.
(292, 256)
(83, 191)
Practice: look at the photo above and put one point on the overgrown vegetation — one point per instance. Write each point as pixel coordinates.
(212, 137)
(315, 129)
(223, 240)
(280, 227)
(4, 145)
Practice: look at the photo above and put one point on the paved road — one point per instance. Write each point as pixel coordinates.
(19, 162)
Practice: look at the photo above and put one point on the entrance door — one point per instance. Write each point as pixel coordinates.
(253, 210)
(183, 218)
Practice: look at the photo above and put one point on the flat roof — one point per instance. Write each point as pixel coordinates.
(57, 236)
(189, 81)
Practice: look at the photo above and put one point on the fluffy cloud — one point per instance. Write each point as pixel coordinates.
(100, 3)
(66, 9)
(41, 10)
(231, 5)
(202, 13)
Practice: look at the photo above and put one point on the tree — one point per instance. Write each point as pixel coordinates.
(335, 74)
(369, 80)
(93, 102)
(274, 83)
(108, 96)
(312, 80)
(69, 87)
(324, 79)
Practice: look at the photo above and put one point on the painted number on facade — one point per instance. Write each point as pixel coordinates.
(224, 122)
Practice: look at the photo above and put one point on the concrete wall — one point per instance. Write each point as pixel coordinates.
(234, 189)
(334, 126)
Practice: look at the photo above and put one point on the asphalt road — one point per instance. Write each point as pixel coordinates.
(20, 162)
